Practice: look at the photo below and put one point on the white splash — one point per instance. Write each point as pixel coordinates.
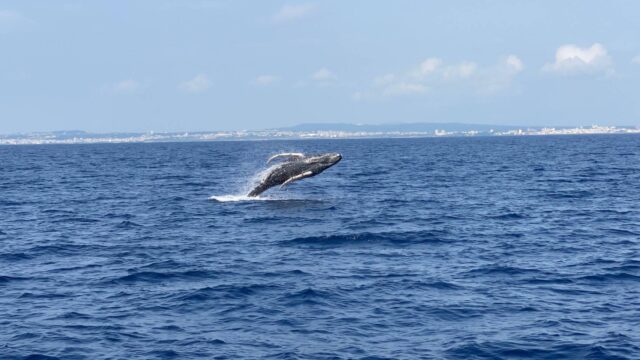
(251, 183)
(235, 198)
(240, 198)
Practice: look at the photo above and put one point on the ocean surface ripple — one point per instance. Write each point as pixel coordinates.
(474, 248)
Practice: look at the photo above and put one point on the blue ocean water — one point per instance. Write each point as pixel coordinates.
(474, 248)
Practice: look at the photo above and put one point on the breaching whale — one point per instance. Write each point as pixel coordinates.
(297, 166)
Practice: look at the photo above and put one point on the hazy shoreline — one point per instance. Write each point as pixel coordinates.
(79, 137)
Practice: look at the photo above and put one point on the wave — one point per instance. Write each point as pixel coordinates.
(626, 266)
(277, 274)
(454, 313)
(569, 194)
(8, 279)
(163, 354)
(118, 216)
(64, 249)
(11, 203)
(15, 256)
(25, 336)
(509, 216)
(622, 232)
(621, 276)
(48, 296)
(73, 315)
(387, 282)
(157, 277)
(126, 224)
(165, 264)
(310, 296)
(500, 270)
(40, 357)
(368, 238)
(541, 349)
(439, 285)
(75, 220)
(570, 291)
(223, 292)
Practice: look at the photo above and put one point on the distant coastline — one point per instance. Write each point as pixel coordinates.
(311, 131)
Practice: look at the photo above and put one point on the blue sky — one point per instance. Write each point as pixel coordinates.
(169, 65)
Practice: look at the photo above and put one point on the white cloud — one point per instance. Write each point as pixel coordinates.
(198, 84)
(433, 74)
(404, 88)
(571, 59)
(323, 74)
(265, 80)
(392, 85)
(514, 63)
(384, 80)
(293, 12)
(499, 77)
(636, 60)
(460, 71)
(128, 86)
(427, 67)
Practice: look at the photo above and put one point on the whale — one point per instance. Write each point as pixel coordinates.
(294, 167)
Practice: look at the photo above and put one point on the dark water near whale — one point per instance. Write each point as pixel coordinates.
(475, 248)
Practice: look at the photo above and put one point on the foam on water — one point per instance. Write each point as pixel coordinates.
(236, 198)
(240, 198)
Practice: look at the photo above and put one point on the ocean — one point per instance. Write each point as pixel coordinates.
(432, 248)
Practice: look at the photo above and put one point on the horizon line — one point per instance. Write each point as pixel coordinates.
(290, 128)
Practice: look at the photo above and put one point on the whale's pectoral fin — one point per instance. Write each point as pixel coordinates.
(295, 178)
(288, 156)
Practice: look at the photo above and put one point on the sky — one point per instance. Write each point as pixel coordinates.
(204, 65)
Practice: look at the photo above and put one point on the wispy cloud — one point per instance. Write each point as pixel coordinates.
(636, 60)
(433, 74)
(392, 85)
(571, 60)
(323, 75)
(427, 67)
(127, 86)
(265, 80)
(514, 63)
(499, 77)
(293, 12)
(404, 88)
(463, 70)
(198, 84)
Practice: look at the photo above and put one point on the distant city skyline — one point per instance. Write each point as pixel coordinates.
(308, 131)
(199, 65)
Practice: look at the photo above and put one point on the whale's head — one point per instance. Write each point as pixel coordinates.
(322, 162)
